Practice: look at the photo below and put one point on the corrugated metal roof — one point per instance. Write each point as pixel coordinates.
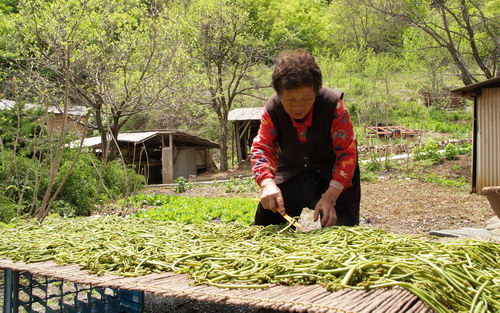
(136, 137)
(87, 142)
(72, 110)
(244, 114)
(180, 137)
(472, 90)
(6, 104)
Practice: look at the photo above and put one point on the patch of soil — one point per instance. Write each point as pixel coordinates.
(411, 206)
(243, 169)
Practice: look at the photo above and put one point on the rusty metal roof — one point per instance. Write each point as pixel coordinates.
(180, 138)
(474, 89)
(245, 114)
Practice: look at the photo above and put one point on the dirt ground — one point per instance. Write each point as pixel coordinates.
(396, 203)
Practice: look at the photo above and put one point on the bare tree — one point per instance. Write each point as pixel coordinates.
(123, 62)
(462, 27)
(226, 51)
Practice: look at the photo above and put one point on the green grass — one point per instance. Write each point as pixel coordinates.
(460, 182)
(238, 185)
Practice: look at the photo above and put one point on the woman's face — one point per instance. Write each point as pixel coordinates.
(298, 101)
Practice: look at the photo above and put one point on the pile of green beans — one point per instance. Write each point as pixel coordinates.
(453, 276)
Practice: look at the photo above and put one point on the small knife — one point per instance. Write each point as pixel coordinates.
(285, 216)
(291, 220)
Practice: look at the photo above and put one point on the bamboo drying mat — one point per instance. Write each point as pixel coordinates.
(312, 298)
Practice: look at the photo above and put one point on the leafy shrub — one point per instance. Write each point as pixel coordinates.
(181, 184)
(451, 152)
(122, 180)
(7, 209)
(64, 208)
(465, 149)
(22, 126)
(429, 152)
(19, 176)
(80, 189)
(372, 165)
(369, 176)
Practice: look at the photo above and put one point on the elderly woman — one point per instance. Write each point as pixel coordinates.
(304, 154)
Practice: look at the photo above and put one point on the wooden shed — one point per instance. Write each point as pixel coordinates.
(75, 124)
(76, 120)
(163, 155)
(486, 132)
(246, 122)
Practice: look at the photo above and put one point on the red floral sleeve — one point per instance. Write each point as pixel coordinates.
(263, 153)
(344, 145)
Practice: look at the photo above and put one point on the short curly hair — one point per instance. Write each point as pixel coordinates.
(294, 69)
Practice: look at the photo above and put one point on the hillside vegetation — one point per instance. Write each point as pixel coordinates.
(137, 64)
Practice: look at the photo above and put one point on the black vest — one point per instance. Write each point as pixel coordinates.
(317, 153)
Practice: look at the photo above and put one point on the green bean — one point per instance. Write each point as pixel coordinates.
(476, 297)
(456, 276)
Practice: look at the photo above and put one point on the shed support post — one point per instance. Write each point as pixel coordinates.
(208, 160)
(237, 141)
(167, 162)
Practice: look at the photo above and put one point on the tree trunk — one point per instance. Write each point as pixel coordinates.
(223, 142)
(113, 147)
(102, 132)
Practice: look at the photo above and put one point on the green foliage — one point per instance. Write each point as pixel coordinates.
(26, 179)
(19, 127)
(23, 178)
(238, 185)
(465, 149)
(460, 182)
(181, 184)
(451, 152)
(7, 209)
(121, 179)
(370, 168)
(66, 209)
(8, 6)
(195, 209)
(430, 152)
(458, 123)
(80, 190)
(369, 176)
(456, 168)
(299, 23)
(372, 164)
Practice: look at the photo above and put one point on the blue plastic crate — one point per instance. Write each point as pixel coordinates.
(24, 292)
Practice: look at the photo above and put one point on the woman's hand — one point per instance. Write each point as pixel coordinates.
(271, 197)
(325, 208)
